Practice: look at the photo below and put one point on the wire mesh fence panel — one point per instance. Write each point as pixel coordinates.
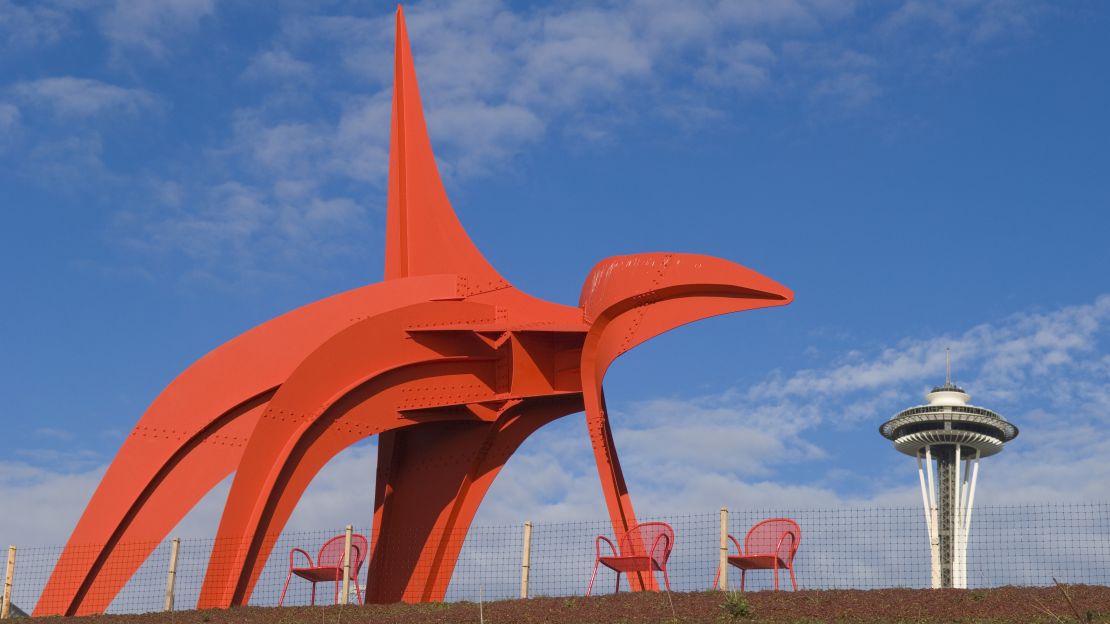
(1034, 544)
(192, 562)
(849, 548)
(145, 591)
(693, 562)
(488, 566)
(32, 569)
(563, 555)
(845, 548)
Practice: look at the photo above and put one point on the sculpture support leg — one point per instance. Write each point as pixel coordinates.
(423, 512)
(613, 485)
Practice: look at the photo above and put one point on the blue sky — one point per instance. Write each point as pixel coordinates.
(922, 174)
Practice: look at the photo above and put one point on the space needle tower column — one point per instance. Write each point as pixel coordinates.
(953, 436)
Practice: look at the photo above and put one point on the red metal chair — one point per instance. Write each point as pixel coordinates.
(769, 545)
(329, 565)
(644, 548)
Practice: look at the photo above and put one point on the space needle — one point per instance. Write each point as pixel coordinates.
(955, 436)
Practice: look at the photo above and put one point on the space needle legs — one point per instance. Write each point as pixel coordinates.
(949, 523)
(929, 502)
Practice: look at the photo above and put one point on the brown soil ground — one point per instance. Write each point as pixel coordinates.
(1082, 603)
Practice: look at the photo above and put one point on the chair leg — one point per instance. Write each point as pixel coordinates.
(716, 579)
(590, 587)
(335, 600)
(666, 581)
(792, 581)
(776, 575)
(618, 589)
(284, 589)
(358, 592)
(313, 593)
(743, 574)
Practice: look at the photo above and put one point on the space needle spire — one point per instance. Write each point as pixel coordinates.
(948, 437)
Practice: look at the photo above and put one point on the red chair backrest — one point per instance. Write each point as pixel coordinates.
(331, 554)
(650, 539)
(776, 536)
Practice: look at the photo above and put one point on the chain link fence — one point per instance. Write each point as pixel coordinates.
(846, 548)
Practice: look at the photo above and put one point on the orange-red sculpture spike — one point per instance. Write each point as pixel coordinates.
(423, 235)
(449, 364)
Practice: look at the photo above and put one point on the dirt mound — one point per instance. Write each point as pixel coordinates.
(1080, 603)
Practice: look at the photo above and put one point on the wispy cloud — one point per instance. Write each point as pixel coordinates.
(278, 65)
(9, 122)
(68, 96)
(148, 27)
(31, 25)
(55, 433)
(1023, 353)
(52, 491)
(766, 445)
(49, 499)
(945, 31)
(745, 65)
(498, 79)
(244, 230)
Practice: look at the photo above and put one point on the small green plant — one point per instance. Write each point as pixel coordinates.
(736, 605)
(571, 603)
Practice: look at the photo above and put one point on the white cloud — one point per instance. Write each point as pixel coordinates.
(744, 65)
(850, 90)
(9, 122)
(73, 160)
(49, 502)
(51, 499)
(31, 26)
(1046, 371)
(498, 79)
(944, 30)
(54, 432)
(278, 65)
(68, 96)
(252, 233)
(495, 80)
(146, 26)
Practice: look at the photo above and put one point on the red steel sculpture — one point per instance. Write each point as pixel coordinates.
(445, 361)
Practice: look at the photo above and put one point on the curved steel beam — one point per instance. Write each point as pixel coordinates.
(630, 299)
(271, 460)
(191, 438)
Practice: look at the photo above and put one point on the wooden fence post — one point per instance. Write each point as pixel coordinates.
(171, 576)
(525, 559)
(723, 584)
(346, 566)
(9, 573)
